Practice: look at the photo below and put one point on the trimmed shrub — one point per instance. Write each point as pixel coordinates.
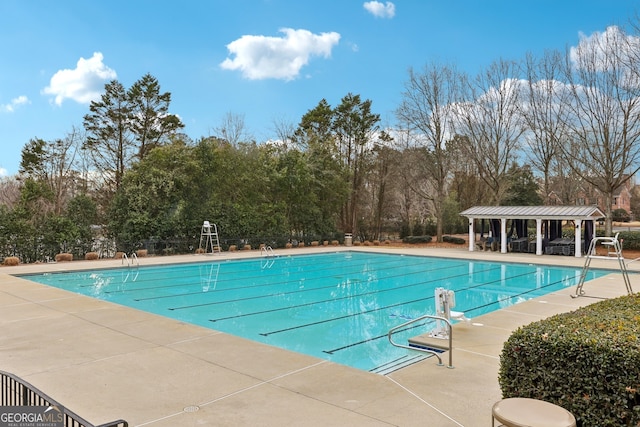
(64, 257)
(587, 361)
(91, 256)
(454, 240)
(620, 215)
(630, 240)
(417, 239)
(11, 261)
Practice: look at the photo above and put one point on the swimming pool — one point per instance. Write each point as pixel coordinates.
(337, 306)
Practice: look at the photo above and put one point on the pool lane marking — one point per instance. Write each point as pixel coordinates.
(298, 290)
(320, 288)
(296, 281)
(330, 267)
(153, 272)
(236, 316)
(332, 351)
(346, 316)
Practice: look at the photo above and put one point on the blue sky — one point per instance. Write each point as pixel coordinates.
(265, 60)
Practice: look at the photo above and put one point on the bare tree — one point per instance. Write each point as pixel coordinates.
(492, 122)
(543, 110)
(284, 130)
(380, 180)
(604, 121)
(425, 110)
(466, 183)
(233, 129)
(406, 196)
(9, 191)
(53, 164)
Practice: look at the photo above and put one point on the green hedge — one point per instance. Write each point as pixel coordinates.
(454, 240)
(587, 361)
(631, 240)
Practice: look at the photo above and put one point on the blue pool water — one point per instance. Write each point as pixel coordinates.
(336, 306)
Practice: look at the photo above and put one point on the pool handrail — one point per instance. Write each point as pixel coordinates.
(267, 251)
(130, 262)
(426, 350)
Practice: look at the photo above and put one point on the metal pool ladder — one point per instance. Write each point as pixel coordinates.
(267, 251)
(423, 349)
(134, 257)
(613, 247)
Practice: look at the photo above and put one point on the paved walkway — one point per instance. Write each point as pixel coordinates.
(105, 361)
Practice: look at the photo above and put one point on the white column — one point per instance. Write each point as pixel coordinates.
(578, 238)
(503, 235)
(472, 236)
(538, 236)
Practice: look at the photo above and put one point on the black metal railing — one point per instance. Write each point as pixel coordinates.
(17, 392)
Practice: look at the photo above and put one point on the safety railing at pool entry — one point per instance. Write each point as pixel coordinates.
(421, 349)
(267, 251)
(134, 257)
(16, 392)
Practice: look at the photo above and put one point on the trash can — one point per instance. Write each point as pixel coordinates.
(348, 239)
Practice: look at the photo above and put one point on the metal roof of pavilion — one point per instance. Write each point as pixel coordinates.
(534, 212)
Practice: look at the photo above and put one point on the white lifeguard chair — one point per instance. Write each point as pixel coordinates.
(209, 235)
(614, 248)
(445, 300)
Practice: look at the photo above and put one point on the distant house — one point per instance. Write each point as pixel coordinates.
(621, 198)
(585, 195)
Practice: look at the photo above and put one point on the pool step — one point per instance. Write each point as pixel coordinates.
(428, 342)
(399, 363)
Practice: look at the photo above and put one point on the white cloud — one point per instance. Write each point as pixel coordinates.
(15, 102)
(83, 84)
(3, 172)
(599, 47)
(611, 51)
(379, 9)
(263, 57)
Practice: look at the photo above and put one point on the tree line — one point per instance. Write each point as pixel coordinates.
(565, 123)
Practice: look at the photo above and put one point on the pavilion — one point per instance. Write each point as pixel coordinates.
(583, 217)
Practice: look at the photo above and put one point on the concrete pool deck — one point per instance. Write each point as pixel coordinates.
(105, 362)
